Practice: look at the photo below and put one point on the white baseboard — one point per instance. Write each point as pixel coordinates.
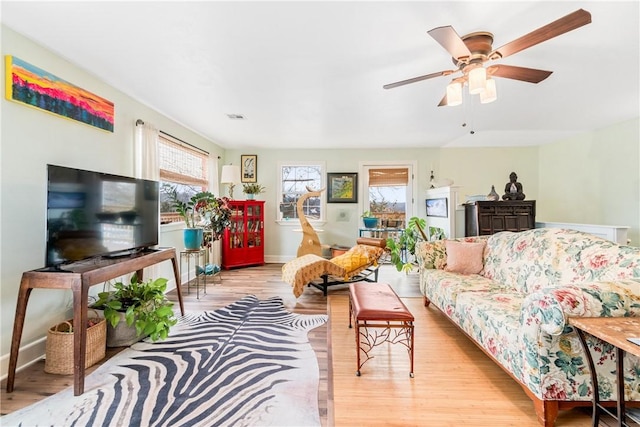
(28, 355)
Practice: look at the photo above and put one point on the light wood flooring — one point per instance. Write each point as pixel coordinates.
(33, 384)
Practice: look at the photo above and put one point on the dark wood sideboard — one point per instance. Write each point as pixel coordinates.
(489, 217)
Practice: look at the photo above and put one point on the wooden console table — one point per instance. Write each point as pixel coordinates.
(615, 331)
(79, 278)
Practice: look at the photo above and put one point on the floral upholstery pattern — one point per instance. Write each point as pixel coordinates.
(518, 307)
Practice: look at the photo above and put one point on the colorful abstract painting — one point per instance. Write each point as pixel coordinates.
(37, 88)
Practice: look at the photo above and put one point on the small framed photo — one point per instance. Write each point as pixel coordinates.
(342, 187)
(438, 207)
(249, 170)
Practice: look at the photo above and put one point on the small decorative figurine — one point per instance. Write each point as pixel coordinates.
(513, 189)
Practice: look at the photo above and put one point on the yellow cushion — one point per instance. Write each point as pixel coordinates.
(351, 261)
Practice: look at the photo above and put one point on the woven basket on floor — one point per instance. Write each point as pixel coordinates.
(59, 346)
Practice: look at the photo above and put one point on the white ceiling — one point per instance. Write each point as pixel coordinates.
(310, 74)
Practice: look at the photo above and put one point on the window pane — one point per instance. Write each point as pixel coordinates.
(295, 180)
(182, 168)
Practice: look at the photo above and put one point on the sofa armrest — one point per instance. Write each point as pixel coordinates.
(549, 308)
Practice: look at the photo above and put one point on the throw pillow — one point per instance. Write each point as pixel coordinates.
(464, 258)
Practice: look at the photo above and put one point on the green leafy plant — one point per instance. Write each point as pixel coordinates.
(408, 239)
(253, 188)
(204, 210)
(144, 305)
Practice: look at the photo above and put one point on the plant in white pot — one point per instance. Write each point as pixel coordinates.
(252, 189)
(144, 308)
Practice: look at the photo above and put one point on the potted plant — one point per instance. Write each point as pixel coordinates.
(369, 220)
(252, 189)
(203, 211)
(144, 307)
(407, 242)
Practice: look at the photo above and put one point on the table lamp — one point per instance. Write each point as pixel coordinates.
(230, 175)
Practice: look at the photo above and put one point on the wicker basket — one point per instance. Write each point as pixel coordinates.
(59, 346)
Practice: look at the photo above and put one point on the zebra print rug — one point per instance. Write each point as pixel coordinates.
(247, 364)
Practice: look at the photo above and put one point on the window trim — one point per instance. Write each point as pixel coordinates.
(323, 185)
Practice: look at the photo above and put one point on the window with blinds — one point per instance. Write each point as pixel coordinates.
(387, 195)
(181, 167)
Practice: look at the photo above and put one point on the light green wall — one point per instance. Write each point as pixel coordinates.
(31, 139)
(592, 178)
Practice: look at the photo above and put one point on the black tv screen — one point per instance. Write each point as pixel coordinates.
(92, 214)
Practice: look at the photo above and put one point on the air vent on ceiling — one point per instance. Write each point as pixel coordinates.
(236, 116)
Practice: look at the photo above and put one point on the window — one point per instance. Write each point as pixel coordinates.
(388, 190)
(182, 167)
(295, 179)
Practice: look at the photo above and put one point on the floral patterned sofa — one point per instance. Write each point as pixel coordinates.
(512, 293)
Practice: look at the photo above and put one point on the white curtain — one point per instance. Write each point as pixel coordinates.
(216, 251)
(147, 166)
(146, 160)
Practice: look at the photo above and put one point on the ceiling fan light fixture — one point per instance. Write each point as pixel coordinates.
(454, 94)
(477, 80)
(489, 94)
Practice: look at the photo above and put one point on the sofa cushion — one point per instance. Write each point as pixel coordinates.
(492, 319)
(442, 287)
(544, 257)
(463, 257)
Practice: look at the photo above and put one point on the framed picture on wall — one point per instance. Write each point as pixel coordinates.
(249, 170)
(342, 187)
(437, 207)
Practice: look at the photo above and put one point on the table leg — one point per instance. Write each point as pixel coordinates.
(595, 417)
(18, 324)
(620, 378)
(80, 302)
(176, 274)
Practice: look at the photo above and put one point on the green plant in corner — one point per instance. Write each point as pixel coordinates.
(144, 304)
(408, 239)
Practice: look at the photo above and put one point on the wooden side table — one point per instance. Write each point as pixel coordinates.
(615, 331)
(79, 278)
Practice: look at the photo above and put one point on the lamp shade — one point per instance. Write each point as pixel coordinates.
(230, 174)
(477, 80)
(454, 94)
(489, 94)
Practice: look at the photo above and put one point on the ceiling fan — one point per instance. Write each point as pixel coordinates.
(471, 52)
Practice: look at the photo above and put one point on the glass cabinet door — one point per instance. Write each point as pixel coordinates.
(236, 229)
(254, 226)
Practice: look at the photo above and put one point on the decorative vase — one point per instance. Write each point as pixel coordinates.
(493, 195)
(250, 196)
(192, 238)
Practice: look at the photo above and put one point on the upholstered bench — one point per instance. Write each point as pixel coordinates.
(375, 306)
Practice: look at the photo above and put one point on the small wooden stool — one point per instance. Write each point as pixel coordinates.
(377, 306)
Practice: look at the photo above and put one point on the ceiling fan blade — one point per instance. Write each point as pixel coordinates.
(451, 41)
(530, 75)
(563, 25)
(417, 79)
(443, 101)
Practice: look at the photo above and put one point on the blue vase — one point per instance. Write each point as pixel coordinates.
(192, 238)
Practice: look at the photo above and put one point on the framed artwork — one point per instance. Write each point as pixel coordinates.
(249, 168)
(342, 188)
(437, 207)
(34, 87)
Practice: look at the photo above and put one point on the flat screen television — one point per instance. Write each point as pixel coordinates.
(91, 214)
